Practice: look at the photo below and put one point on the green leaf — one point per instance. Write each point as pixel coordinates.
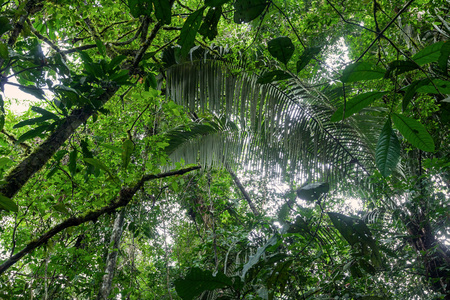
(4, 51)
(150, 81)
(209, 25)
(411, 91)
(215, 3)
(248, 10)
(444, 57)
(306, 56)
(414, 132)
(281, 48)
(44, 112)
(355, 231)
(7, 204)
(4, 161)
(35, 91)
(61, 207)
(361, 71)
(443, 87)
(429, 54)
(163, 11)
(98, 164)
(32, 133)
(197, 281)
(73, 162)
(398, 67)
(271, 76)
(115, 62)
(4, 25)
(387, 153)
(113, 148)
(313, 191)
(2, 120)
(32, 121)
(140, 7)
(127, 149)
(255, 258)
(356, 104)
(101, 47)
(189, 31)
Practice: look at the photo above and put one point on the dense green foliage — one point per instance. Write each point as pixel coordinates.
(216, 149)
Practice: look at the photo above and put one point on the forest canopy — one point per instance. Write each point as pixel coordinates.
(225, 149)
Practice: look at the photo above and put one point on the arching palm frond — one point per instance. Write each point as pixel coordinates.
(279, 128)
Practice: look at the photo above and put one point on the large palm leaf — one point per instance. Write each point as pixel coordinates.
(279, 128)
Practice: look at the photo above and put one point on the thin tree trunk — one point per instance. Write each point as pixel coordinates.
(111, 260)
(244, 192)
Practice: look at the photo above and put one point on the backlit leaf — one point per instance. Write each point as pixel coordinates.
(127, 149)
(362, 71)
(387, 153)
(215, 3)
(414, 132)
(398, 67)
(281, 48)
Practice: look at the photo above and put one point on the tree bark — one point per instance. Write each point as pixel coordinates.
(111, 260)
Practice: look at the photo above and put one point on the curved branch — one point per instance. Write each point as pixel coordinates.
(125, 196)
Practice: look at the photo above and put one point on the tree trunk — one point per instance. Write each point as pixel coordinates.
(111, 260)
(244, 192)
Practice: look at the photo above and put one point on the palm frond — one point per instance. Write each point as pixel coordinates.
(281, 129)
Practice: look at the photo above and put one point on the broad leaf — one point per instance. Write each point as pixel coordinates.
(355, 231)
(306, 56)
(215, 3)
(281, 48)
(189, 31)
(127, 149)
(5, 25)
(33, 133)
(411, 91)
(98, 164)
(428, 54)
(140, 7)
(356, 104)
(362, 71)
(437, 86)
(7, 204)
(150, 81)
(73, 162)
(197, 281)
(209, 25)
(4, 51)
(387, 153)
(101, 47)
(271, 76)
(255, 258)
(248, 10)
(414, 132)
(313, 191)
(35, 91)
(32, 121)
(44, 112)
(398, 67)
(444, 57)
(163, 11)
(4, 161)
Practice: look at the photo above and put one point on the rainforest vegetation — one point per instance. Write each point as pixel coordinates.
(225, 149)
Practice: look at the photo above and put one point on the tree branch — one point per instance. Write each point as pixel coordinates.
(243, 191)
(125, 196)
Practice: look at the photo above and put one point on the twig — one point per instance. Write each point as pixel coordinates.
(380, 34)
